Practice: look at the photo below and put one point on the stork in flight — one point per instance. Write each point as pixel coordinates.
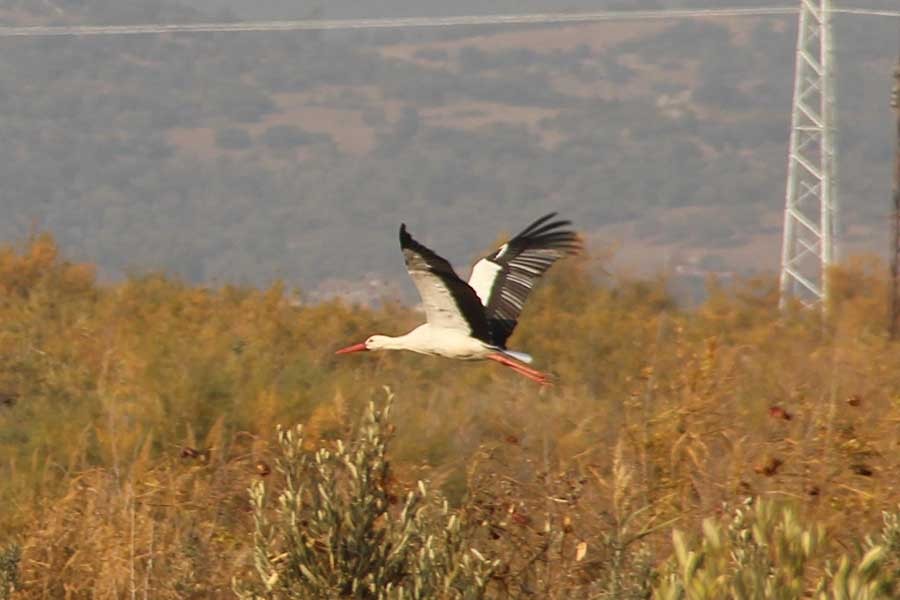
(472, 321)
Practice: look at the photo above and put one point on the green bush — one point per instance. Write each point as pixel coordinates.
(336, 529)
(764, 551)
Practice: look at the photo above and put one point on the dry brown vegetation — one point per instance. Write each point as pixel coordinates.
(135, 416)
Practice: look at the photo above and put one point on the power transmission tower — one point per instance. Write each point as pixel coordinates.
(810, 197)
(895, 242)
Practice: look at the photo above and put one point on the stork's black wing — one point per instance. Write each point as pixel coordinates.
(448, 300)
(504, 279)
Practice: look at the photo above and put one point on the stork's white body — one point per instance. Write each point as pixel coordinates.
(436, 341)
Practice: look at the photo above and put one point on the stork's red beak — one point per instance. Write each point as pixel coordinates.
(354, 348)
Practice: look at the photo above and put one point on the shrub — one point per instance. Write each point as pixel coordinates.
(764, 551)
(333, 531)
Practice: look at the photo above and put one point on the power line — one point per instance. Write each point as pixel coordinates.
(391, 23)
(409, 22)
(870, 12)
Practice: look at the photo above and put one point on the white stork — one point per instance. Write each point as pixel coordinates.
(472, 321)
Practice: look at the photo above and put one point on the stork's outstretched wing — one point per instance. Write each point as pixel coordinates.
(448, 300)
(504, 279)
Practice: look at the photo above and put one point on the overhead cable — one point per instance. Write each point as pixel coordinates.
(387, 23)
(417, 22)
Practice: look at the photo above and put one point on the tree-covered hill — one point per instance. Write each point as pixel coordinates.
(246, 157)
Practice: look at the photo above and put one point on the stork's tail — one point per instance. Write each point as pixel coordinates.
(519, 356)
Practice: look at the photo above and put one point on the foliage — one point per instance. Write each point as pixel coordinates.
(335, 533)
(765, 552)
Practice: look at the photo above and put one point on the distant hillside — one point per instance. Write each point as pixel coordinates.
(246, 157)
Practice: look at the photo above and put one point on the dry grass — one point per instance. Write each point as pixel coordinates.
(141, 412)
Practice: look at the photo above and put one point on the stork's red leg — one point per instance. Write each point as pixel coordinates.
(503, 359)
(530, 374)
(521, 369)
(542, 379)
(527, 369)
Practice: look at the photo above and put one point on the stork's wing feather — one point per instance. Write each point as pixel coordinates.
(504, 279)
(448, 300)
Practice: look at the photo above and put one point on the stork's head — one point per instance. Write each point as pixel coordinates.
(374, 342)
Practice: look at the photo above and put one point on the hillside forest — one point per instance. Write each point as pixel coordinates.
(249, 157)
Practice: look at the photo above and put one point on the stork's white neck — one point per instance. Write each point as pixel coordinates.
(387, 342)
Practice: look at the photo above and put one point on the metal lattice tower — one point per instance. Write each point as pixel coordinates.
(810, 199)
(895, 241)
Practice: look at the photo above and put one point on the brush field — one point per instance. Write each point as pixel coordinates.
(724, 451)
